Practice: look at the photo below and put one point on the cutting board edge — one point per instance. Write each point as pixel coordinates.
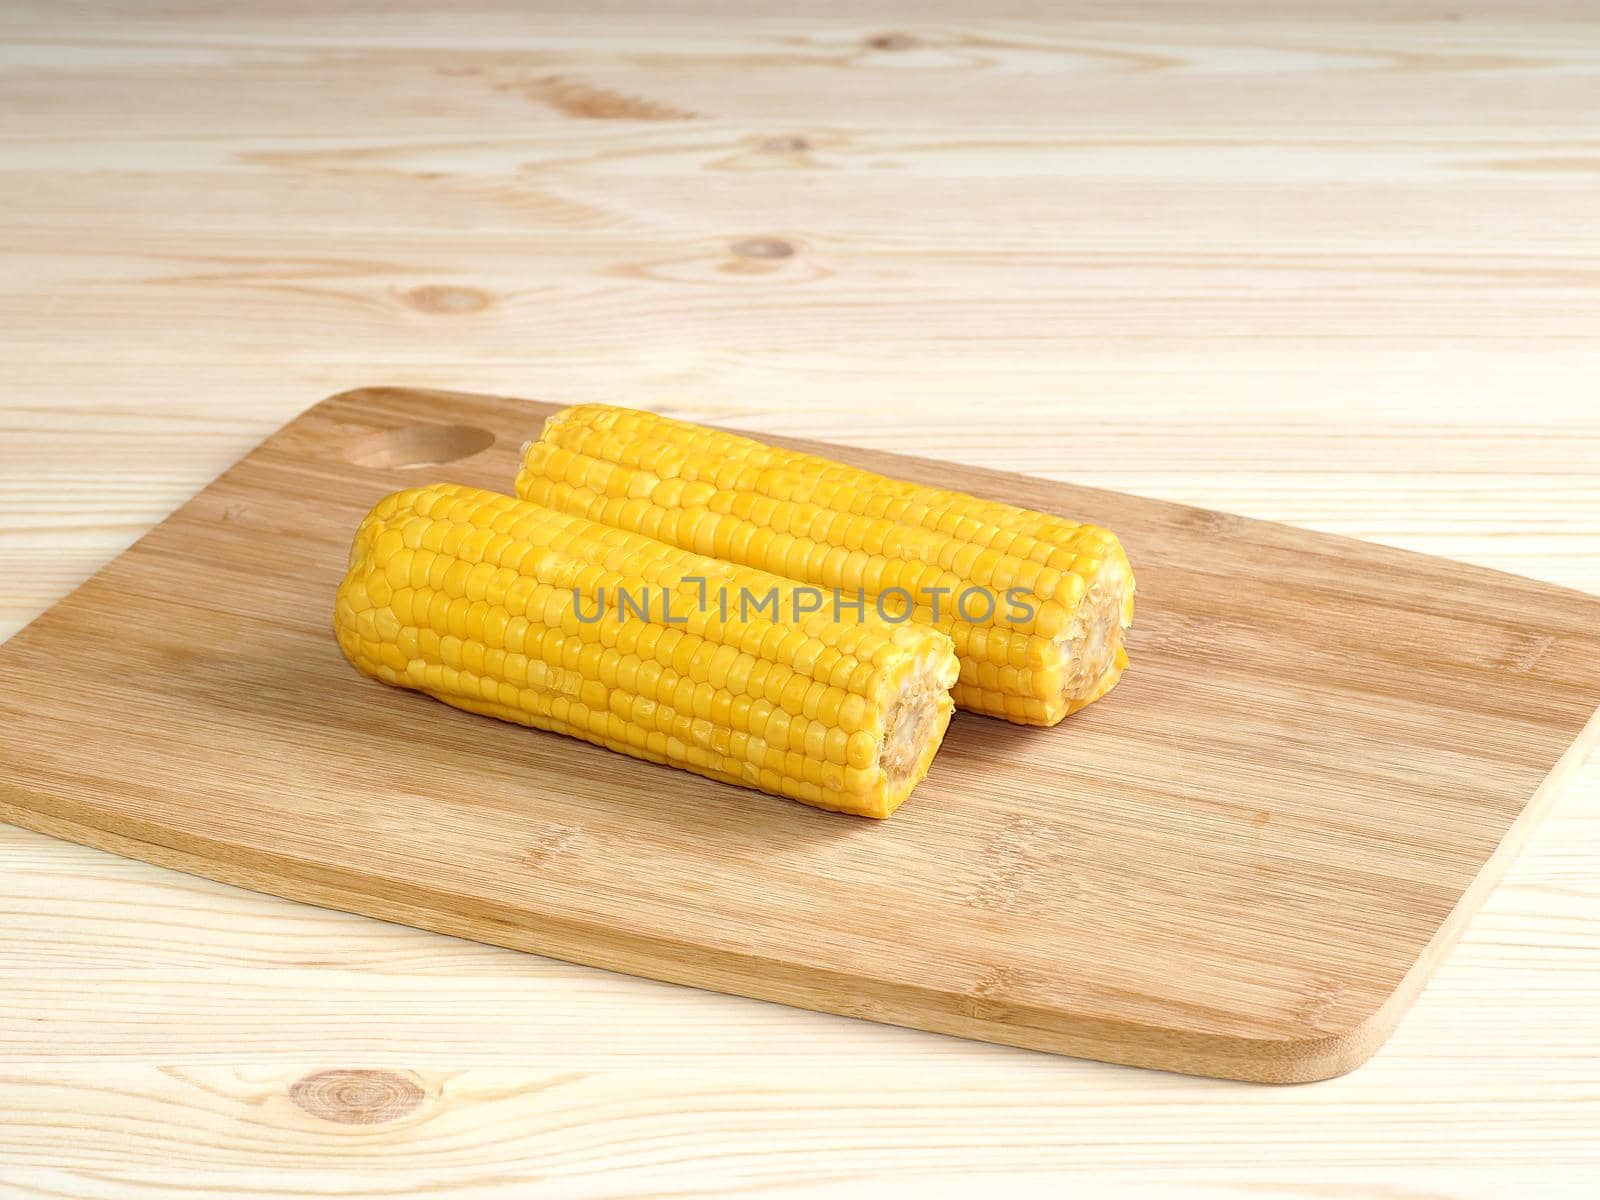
(1318, 1055)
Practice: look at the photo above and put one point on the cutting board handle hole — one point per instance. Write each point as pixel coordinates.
(419, 446)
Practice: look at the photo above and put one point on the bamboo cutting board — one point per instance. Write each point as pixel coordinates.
(1243, 863)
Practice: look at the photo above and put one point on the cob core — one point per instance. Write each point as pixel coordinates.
(1054, 596)
(499, 606)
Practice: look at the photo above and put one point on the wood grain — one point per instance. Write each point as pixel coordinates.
(1245, 867)
(1255, 358)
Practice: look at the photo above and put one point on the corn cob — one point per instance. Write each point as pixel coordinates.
(1041, 635)
(499, 606)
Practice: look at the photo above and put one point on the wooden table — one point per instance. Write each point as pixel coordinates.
(1333, 265)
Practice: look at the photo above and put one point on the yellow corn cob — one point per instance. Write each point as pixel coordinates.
(502, 607)
(1049, 639)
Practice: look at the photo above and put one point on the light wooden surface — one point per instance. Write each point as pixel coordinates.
(1246, 866)
(1328, 265)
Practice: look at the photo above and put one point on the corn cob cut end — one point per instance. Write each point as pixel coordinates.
(1074, 667)
(916, 714)
(1093, 654)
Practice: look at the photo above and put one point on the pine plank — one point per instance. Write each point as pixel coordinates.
(1448, 138)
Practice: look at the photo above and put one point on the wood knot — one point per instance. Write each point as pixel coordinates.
(786, 143)
(356, 1097)
(1320, 997)
(1022, 859)
(447, 299)
(892, 42)
(1206, 522)
(594, 103)
(762, 247)
(989, 996)
(1522, 651)
(549, 844)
